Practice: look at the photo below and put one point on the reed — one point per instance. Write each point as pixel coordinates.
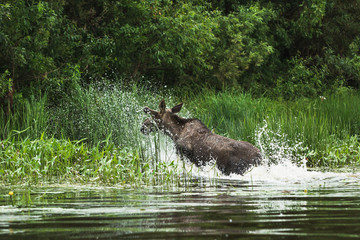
(102, 111)
(93, 134)
(29, 117)
(327, 128)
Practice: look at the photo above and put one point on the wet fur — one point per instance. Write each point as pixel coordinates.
(196, 142)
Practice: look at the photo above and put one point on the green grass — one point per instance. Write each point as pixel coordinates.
(93, 134)
(49, 160)
(99, 111)
(328, 130)
(29, 118)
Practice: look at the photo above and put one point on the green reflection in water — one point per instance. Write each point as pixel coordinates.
(328, 208)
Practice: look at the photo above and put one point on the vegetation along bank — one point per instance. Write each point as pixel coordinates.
(74, 77)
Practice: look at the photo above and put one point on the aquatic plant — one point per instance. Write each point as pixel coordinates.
(323, 126)
(52, 160)
(29, 118)
(94, 135)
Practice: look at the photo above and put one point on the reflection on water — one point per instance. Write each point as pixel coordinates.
(316, 206)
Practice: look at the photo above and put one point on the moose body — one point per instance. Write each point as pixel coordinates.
(197, 143)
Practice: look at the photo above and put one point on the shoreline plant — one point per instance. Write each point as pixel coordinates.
(94, 135)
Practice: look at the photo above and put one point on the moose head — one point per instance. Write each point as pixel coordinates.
(165, 120)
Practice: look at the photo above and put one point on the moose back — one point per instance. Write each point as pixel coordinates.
(196, 142)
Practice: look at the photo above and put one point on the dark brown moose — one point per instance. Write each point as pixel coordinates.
(196, 142)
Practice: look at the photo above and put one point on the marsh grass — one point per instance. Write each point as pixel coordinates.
(92, 135)
(98, 112)
(328, 129)
(29, 118)
(50, 160)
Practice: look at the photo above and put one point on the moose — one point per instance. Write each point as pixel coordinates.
(196, 142)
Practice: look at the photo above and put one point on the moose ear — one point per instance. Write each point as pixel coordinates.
(177, 108)
(162, 106)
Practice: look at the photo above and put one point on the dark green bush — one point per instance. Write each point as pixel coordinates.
(264, 46)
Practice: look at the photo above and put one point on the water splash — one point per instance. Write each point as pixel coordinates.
(284, 162)
(278, 149)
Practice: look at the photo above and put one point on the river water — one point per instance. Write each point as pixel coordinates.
(281, 202)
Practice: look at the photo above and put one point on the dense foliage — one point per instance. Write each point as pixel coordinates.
(94, 135)
(82, 71)
(53, 161)
(277, 48)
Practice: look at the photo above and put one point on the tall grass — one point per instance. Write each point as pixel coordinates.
(93, 134)
(102, 111)
(93, 131)
(29, 118)
(328, 128)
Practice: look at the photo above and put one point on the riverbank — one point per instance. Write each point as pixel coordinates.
(94, 136)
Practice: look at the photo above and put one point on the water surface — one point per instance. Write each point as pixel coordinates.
(305, 205)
